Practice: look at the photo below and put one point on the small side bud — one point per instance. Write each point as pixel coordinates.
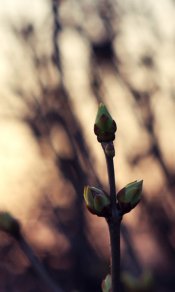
(129, 196)
(97, 201)
(9, 224)
(105, 127)
(109, 149)
(107, 284)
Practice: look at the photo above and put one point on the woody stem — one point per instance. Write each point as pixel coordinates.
(114, 221)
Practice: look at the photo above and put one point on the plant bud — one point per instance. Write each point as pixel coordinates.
(97, 201)
(129, 196)
(105, 126)
(9, 224)
(107, 284)
(109, 149)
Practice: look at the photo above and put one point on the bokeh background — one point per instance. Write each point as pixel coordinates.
(58, 60)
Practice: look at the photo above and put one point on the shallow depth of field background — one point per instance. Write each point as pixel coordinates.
(58, 60)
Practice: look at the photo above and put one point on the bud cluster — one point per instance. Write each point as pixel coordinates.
(97, 201)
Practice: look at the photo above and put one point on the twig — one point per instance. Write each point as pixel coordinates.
(112, 206)
(114, 226)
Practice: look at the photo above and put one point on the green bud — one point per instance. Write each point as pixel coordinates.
(129, 196)
(107, 284)
(97, 201)
(9, 224)
(105, 127)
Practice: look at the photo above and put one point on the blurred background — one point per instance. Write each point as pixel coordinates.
(58, 60)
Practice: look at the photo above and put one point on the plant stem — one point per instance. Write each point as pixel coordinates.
(114, 227)
(38, 267)
(114, 231)
(111, 177)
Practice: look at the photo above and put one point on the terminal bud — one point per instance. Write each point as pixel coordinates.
(105, 127)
